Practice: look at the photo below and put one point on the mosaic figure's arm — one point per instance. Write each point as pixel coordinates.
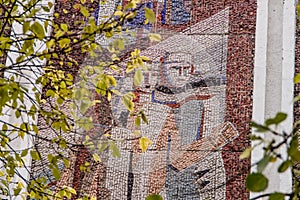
(195, 152)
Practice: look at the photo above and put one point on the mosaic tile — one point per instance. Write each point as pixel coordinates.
(198, 99)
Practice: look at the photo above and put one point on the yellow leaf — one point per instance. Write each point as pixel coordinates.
(154, 37)
(114, 67)
(149, 14)
(38, 30)
(128, 103)
(84, 11)
(116, 92)
(145, 58)
(129, 68)
(137, 132)
(64, 27)
(138, 77)
(118, 13)
(297, 78)
(112, 81)
(144, 143)
(246, 153)
(108, 96)
(96, 157)
(130, 15)
(56, 15)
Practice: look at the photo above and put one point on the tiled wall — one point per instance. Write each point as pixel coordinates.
(197, 96)
(200, 81)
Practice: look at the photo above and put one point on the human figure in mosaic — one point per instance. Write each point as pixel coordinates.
(183, 96)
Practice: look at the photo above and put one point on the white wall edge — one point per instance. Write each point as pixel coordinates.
(288, 68)
(263, 106)
(260, 62)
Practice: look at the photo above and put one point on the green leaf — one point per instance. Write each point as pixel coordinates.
(127, 101)
(262, 164)
(138, 77)
(56, 172)
(255, 137)
(276, 196)
(114, 150)
(62, 84)
(119, 43)
(20, 59)
(154, 197)
(4, 127)
(35, 129)
(102, 146)
(35, 155)
(64, 42)
(293, 149)
(38, 30)
(17, 191)
(246, 153)
(137, 121)
(66, 162)
(26, 26)
(28, 47)
(59, 100)
(298, 9)
(284, 166)
(297, 98)
(144, 117)
(280, 117)
(86, 123)
(46, 9)
(259, 127)
(24, 153)
(256, 182)
(50, 93)
(149, 14)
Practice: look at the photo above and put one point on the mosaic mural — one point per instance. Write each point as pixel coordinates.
(197, 96)
(183, 96)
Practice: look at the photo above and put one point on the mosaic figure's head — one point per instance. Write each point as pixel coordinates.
(178, 68)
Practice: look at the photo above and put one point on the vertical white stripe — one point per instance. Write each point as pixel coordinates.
(273, 78)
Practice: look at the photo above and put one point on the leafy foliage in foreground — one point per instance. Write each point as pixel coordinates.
(257, 181)
(37, 82)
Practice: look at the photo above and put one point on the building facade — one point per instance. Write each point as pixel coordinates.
(219, 65)
(197, 96)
